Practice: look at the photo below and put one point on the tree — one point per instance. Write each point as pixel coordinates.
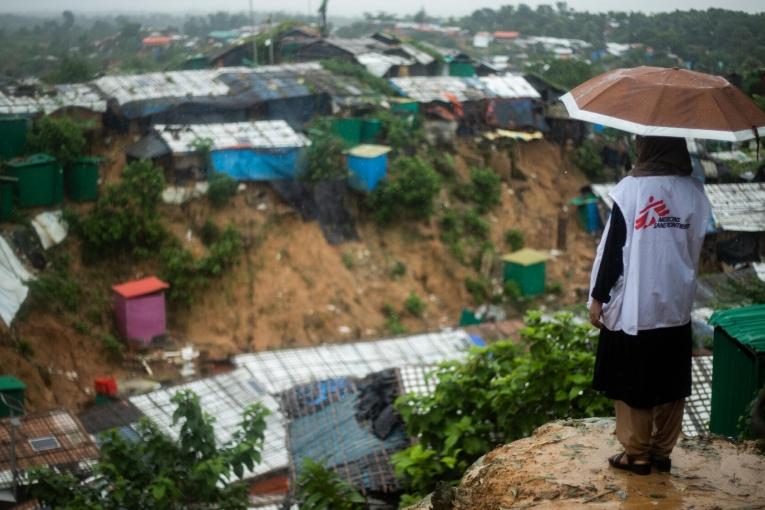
(61, 137)
(68, 19)
(157, 471)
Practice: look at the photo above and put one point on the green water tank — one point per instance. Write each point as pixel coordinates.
(13, 389)
(13, 136)
(738, 365)
(7, 184)
(40, 180)
(526, 267)
(81, 180)
(348, 130)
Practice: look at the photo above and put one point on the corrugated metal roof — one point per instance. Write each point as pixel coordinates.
(745, 324)
(735, 207)
(266, 134)
(426, 89)
(421, 57)
(76, 95)
(357, 45)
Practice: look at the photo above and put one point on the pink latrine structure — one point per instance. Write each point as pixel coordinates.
(139, 307)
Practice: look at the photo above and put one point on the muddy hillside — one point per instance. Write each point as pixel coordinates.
(290, 287)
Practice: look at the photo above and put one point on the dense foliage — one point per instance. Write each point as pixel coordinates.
(485, 189)
(354, 70)
(157, 471)
(222, 189)
(125, 220)
(500, 393)
(402, 132)
(324, 159)
(319, 488)
(408, 192)
(62, 137)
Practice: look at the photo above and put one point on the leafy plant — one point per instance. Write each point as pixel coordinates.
(324, 159)
(409, 191)
(479, 288)
(56, 290)
(60, 137)
(486, 189)
(402, 132)
(354, 70)
(500, 393)
(514, 239)
(113, 347)
(319, 488)
(398, 270)
(125, 218)
(348, 261)
(209, 232)
(157, 471)
(203, 146)
(554, 288)
(475, 226)
(587, 157)
(393, 320)
(414, 305)
(222, 189)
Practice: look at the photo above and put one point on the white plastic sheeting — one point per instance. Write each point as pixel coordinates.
(426, 89)
(50, 227)
(224, 397)
(378, 64)
(509, 86)
(177, 195)
(181, 84)
(264, 134)
(77, 95)
(13, 289)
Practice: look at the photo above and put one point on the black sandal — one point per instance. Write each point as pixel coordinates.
(638, 469)
(662, 464)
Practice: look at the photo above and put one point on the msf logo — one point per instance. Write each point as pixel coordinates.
(651, 213)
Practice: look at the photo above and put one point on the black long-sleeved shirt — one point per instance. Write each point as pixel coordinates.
(612, 262)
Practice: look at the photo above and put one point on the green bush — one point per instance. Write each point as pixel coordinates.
(222, 189)
(554, 288)
(62, 137)
(475, 226)
(514, 239)
(186, 275)
(451, 226)
(125, 219)
(398, 270)
(320, 488)
(209, 232)
(324, 159)
(479, 288)
(500, 393)
(347, 259)
(114, 348)
(486, 189)
(414, 305)
(409, 191)
(354, 70)
(402, 132)
(393, 320)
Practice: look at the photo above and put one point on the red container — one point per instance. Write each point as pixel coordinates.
(106, 386)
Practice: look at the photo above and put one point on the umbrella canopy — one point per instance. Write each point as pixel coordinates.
(657, 101)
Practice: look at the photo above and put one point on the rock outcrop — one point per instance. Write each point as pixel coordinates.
(563, 465)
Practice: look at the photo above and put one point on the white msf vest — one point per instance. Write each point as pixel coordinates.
(666, 219)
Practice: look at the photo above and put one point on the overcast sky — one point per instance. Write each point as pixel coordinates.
(357, 7)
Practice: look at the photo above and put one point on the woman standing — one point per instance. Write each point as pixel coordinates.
(642, 288)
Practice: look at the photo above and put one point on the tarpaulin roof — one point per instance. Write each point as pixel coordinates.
(267, 134)
(77, 95)
(13, 287)
(140, 287)
(735, 207)
(426, 89)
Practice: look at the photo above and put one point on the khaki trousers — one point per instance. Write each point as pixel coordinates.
(652, 431)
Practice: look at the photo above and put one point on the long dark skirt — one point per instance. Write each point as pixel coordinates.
(646, 370)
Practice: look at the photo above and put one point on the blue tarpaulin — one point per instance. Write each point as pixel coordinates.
(257, 165)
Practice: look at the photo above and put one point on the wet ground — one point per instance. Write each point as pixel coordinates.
(563, 465)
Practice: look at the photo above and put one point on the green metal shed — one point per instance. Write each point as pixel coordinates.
(81, 180)
(738, 365)
(14, 389)
(526, 267)
(13, 136)
(349, 130)
(40, 180)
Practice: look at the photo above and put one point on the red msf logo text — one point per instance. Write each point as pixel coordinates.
(651, 213)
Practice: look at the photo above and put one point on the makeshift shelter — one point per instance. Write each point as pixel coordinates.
(526, 267)
(54, 439)
(23, 100)
(339, 48)
(261, 150)
(139, 308)
(739, 365)
(349, 425)
(368, 165)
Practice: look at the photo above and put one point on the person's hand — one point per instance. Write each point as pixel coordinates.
(596, 310)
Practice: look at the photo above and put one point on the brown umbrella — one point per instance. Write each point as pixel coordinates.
(656, 101)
